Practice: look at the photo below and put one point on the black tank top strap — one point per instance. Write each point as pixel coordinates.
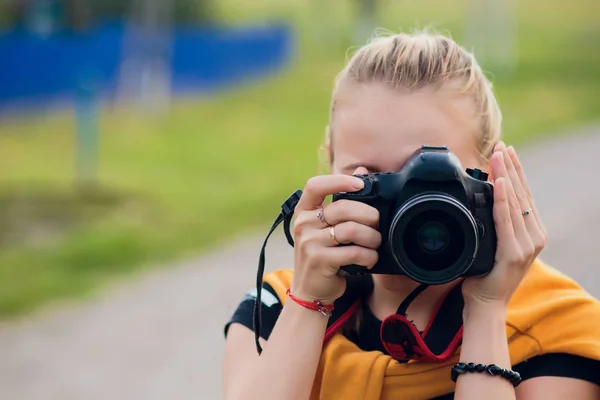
(357, 288)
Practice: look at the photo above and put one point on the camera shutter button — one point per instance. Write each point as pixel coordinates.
(367, 189)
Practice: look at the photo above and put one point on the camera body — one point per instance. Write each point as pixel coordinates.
(436, 218)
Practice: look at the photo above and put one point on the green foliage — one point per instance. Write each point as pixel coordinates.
(184, 11)
(80, 14)
(214, 168)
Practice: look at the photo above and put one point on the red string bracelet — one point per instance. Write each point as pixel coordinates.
(326, 309)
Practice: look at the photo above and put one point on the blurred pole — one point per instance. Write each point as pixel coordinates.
(366, 21)
(42, 17)
(324, 24)
(86, 134)
(145, 79)
(492, 33)
(78, 15)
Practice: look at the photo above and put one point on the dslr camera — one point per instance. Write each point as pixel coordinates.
(436, 219)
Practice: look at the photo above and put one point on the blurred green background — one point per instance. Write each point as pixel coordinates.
(215, 167)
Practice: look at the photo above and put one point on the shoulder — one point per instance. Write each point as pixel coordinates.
(556, 314)
(280, 280)
(274, 287)
(554, 326)
(561, 365)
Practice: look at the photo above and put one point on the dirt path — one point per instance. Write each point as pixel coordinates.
(160, 337)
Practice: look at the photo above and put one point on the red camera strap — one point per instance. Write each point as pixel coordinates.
(399, 336)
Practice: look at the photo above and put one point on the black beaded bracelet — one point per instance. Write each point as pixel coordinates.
(494, 370)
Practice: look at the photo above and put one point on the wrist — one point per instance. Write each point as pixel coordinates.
(315, 305)
(484, 335)
(306, 296)
(484, 342)
(309, 318)
(480, 313)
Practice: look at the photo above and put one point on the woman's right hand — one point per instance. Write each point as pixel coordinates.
(317, 256)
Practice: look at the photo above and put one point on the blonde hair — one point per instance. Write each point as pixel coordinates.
(424, 60)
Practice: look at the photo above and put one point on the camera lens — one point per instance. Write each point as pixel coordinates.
(433, 238)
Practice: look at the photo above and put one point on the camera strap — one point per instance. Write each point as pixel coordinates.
(399, 336)
(440, 339)
(285, 216)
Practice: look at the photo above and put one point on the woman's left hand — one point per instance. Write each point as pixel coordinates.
(520, 233)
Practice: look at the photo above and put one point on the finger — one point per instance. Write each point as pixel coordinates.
(520, 191)
(340, 256)
(536, 234)
(352, 232)
(519, 169)
(351, 210)
(520, 230)
(521, 173)
(515, 179)
(319, 187)
(502, 220)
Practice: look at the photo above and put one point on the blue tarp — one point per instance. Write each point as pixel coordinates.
(41, 70)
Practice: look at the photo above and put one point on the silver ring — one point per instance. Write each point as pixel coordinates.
(321, 216)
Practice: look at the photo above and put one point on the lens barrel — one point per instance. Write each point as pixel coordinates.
(433, 238)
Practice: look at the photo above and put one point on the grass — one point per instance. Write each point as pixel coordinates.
(174, 185)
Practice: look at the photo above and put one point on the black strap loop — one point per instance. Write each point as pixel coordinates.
(410, 298)
(287, 212)
(286, 229)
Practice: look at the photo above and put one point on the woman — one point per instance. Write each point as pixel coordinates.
(396, 94)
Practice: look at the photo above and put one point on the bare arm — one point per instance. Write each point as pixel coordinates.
(520, 238)
(287, 366)
(484, 342)
(557, 388)
(485, 339)
(291, 355)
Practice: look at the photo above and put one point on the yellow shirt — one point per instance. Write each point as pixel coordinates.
(549, 313)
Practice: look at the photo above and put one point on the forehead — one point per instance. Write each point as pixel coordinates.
(379, 128)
